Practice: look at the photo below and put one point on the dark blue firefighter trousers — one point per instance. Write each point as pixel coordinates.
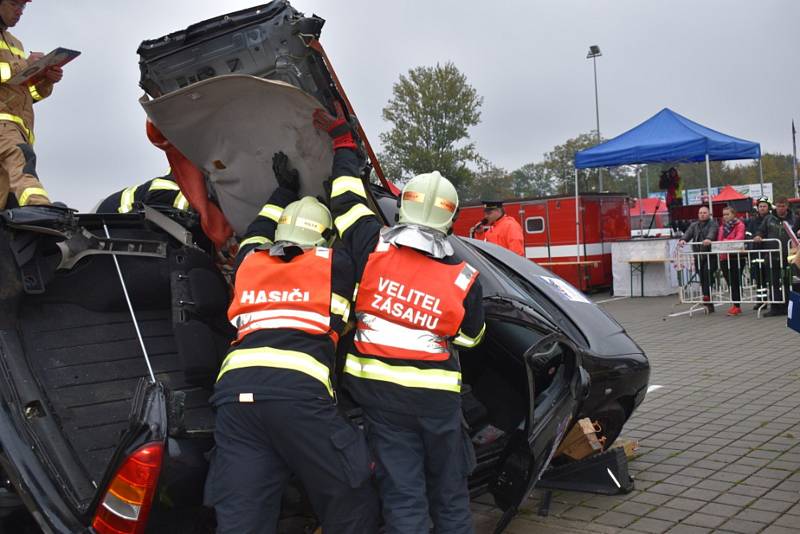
(259, 445)
(422, 468)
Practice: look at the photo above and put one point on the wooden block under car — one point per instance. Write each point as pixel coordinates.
(581, 440)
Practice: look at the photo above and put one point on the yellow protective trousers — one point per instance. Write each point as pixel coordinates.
(18, 168)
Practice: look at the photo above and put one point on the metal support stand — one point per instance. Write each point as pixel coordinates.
(605, 473)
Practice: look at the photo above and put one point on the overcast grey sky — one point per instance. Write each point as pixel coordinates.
(732, 65)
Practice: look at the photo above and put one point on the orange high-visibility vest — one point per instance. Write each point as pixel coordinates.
(272, 293)
(409, 305)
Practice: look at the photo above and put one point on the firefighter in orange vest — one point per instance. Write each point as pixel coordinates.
(415, 300)
(17, 159)
(499, 228)
(275, 399)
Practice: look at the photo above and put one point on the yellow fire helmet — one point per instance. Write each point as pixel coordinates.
(305, 222)
(429, 200)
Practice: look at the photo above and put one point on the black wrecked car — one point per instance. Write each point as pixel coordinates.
(106, 368)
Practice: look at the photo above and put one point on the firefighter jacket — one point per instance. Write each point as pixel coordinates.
(505, 232)
(751, 227)
(161, 191)
(289, 312)
(16, 101)
(772, 228)
(410, 309)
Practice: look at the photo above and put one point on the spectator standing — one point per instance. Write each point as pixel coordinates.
(758, 272)
(732, 229)
(772, 227)
(702, 232)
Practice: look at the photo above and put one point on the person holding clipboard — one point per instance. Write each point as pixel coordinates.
(19, 184)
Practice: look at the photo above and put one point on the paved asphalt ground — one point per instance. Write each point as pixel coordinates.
(719, 441)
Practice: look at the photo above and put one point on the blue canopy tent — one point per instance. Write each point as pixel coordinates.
(667, 137)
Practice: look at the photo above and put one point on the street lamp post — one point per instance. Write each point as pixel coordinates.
(594, 53)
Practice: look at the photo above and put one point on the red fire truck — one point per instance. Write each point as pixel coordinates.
(582, 258)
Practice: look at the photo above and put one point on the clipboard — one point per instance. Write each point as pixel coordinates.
(33, 72)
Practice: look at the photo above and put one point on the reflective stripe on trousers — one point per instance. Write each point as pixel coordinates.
(403, 375)
(21, 123)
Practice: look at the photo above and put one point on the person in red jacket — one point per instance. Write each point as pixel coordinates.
(732, 229)
(500, 229)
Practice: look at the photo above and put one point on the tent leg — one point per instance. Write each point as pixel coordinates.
(639, 186)
(761, 176)
(708, 182)
(577, 221)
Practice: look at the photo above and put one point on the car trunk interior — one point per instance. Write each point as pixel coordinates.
(83, 351)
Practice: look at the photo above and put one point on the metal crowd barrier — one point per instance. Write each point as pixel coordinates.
(709, 274)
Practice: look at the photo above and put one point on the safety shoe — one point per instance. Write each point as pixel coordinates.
(774, 312)
(734, 310)
(709, 308)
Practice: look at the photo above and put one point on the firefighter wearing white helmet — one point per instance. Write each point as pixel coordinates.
(291, 302)
(415, 301)
(17, 159)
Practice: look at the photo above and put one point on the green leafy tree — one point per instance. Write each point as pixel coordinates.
(490, 181)
(532, 180)
(431, 112)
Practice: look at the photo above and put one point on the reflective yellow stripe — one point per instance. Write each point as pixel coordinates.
(254, 240)
(180, 202)
(343, 222)
(403, 375)
(160, 184)
(469, 342)
(28, 192)
(280, 359)
(126, 200)
(18, 120)
(340, 306)
(34, 93)
(13, 49)
(343, 184)
(5, 71)
(271, 211)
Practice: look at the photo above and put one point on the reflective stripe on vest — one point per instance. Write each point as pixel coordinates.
(345, 221)
(343, 184)
(340, 306)
(403, 375)
(281, 318)
(391, 340)
(29, 192)
(180, 202)
(21, 123)
(162, 184)
(126, 200)
(468, 342)
(255, 240)
(13, 49)
(34, 93)
(271, 211)
(278, 359)
(5, 71)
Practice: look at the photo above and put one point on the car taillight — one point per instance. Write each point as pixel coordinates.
(129, 496)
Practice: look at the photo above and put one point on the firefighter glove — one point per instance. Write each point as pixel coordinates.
(287, 178)
(336, 126)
